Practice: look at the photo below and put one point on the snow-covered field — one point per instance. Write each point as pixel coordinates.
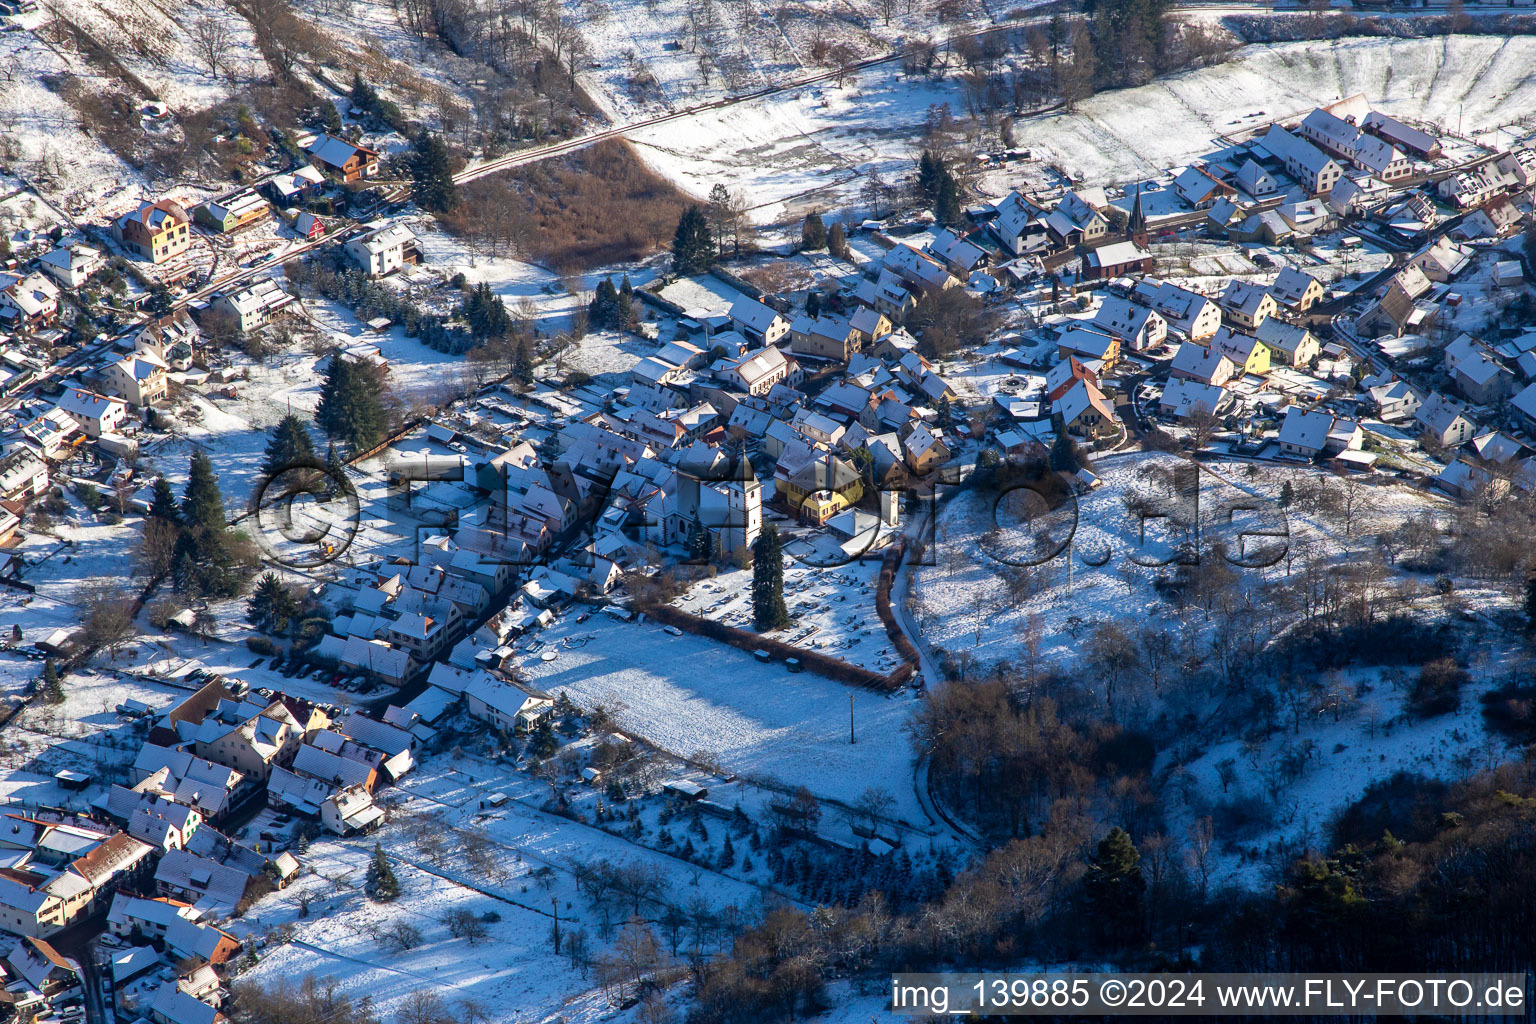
(1478, 83)
(688, 694)
(963, 604)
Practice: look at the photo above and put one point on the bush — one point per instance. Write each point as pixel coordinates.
(261, 645)
(1438, 688)
(1407, 804)
(1511, 710)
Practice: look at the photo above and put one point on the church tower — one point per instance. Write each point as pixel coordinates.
(1137, 227)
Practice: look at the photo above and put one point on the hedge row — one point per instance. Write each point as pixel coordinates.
(904, 646)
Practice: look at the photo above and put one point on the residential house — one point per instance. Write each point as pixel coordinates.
(52, 435)
(1445, 421)
(959, 255)
(234, 212)
(1394, 401)
(917, 269)
(171, 1005)
(141, 378)
(1200, 363)
(1139, 328)
(1524, 403)
(290, 188)
(817, 485)
(1088, 344)
(870, 325)
(1018, 226)
(1289, 344)
(1296, 290)
(175, 923)
(155, 231)
(1304, 433)
(1247, 353)
(1370, 153)
(57, 872)
(829, 336)
(23, 475)
(1310, 166)
(1182, 399)
(760, 324)
(1464, 480)
(28, 302)
(72, 265)
(1117, 259)
(1076, 220)
(171, 338)
(307, 226)
(1247, 305)
(757, 372)
(1061, 377)
(384, 250)
(1086, 412)
(253, 305)
(1199, 188)
(1477, 373)
(1188, 312)
(95, 414)
(886, 293)
(347, 160)
(1255, 180)
(1420, 143)
(1497, 218)
(1474, 186)
(1442, 259)
(924, 450)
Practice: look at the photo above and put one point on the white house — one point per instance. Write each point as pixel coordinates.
(28, 301)
(96, 414)
(383, 250)
(253, 305)
(72, 265)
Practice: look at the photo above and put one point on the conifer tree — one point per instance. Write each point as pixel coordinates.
(1114, 886)
(603, 310)
(813, 232)
(432, 174)
(837, 240)
(693, 247)
(698, 540)
(381, 882)
(351, 408)
(290, 446)
(768, 610)
(203, 562)
(162, 503)
(272, 606)
(53, 690)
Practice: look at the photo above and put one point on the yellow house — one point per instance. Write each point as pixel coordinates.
(821, 488)
(1250, 354)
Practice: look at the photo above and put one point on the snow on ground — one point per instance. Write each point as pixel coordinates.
(46, 130)
(687, 694)
(963, 605)
(1478, 82)
(513, 974)
(783, 149)
(832, 604)
(160, 49)
(967, 569)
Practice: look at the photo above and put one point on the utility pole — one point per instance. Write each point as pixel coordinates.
(851, 738)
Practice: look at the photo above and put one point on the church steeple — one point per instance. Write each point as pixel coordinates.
(1137, 226)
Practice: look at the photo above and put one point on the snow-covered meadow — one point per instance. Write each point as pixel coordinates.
(688, 695)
